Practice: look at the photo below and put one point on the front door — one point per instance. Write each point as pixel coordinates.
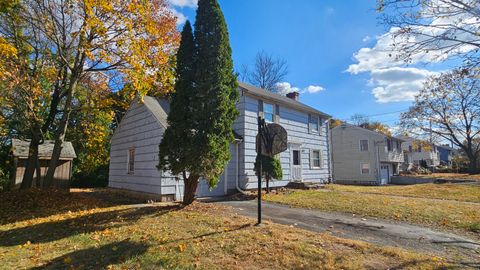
(384, 174)
(296, 161)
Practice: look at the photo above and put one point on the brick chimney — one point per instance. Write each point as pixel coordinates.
(294, 95)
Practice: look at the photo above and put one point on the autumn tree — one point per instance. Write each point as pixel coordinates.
(364, 121)
(433, 30)
(206, 100)
(271, 169)
(267, 72)
(61, 42)
(448, 107)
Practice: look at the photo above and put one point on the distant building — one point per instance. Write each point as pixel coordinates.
(419, 153)
(362, 156)
(446, 154)
(63, 172)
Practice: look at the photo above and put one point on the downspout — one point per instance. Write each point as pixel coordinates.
(237, 185)
(329, 149)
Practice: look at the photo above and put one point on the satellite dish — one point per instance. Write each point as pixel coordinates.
(274, 140)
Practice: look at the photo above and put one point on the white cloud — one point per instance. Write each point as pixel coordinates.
(313, 89)
(285, 88)
(397, 84)
(366, 39)
(181, 18)
(184, 3)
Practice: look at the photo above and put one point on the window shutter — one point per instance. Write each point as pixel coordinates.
(309, 125)
(260, 108)
(311, 158)
(277, 114)
(321, 158)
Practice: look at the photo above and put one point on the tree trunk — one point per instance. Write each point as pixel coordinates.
(60, 137)
(473, 165)
(39, 173)
(268, 184)
(190, 188)
(30, 166)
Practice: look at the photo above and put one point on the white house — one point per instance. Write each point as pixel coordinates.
(135, 142)
(419, 153)
(362, 156)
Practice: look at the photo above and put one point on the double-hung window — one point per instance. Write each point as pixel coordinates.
(363, 145)
(365, 168)
(313, 122)
(316, 161)
(131, 161)
(268, 112)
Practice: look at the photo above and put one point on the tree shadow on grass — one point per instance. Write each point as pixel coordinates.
(56, 230)
(97, 258)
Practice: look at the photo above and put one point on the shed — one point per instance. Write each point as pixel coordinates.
(63, 172)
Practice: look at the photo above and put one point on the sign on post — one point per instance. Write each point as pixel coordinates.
(270, 141)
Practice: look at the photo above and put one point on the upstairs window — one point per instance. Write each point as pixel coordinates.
(268, 112)
(363, 145)
(389, 145)
(313, 123)
(131, 160)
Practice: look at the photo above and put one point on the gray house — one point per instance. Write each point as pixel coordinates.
(134, 146)
(362, 156)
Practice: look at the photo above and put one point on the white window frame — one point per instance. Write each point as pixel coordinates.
(130, 170)
(310, 128)
(361, 168)
(312, 159)
(265, 113)
(360, 145)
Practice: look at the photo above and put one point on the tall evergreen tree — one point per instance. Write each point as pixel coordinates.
(197, 142)
(216, 93)
(176, 152)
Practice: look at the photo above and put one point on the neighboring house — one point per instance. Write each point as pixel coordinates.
(419, 153)
(446, 154)
(63, 172)
(362, 156)
(134, 145)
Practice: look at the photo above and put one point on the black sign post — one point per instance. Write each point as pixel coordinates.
(260, 132)
(271, 140)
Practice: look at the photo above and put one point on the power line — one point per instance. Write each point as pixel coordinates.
(378, 114)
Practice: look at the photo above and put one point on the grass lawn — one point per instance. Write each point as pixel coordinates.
(466, 193)
(56, 230)
(447, 214)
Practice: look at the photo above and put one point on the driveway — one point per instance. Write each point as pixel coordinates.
(370, 230)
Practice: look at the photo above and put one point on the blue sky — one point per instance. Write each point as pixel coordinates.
(322, 43)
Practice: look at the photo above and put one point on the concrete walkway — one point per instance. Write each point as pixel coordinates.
(370, 230)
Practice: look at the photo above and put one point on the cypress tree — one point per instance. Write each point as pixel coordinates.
(271, 169)
(203, 109)
(176, 152)
(216, 96)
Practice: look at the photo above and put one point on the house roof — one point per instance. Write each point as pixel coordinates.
(159, 108)
(369, 131)
(20, 149)
(279, 98)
